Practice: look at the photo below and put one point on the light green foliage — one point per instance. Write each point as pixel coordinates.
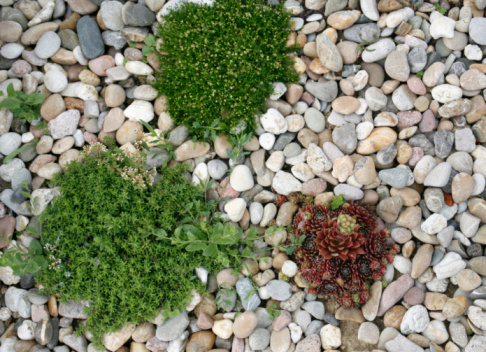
(292, 242)
(440, 9)
(149, 47)
(24, 262)
(25, 107)
(100, 238)
(20, 150)
(337, 201)
(273, 311)
(218, 241)
(419, 74)
(218, 63)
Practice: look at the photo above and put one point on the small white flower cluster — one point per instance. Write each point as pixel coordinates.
(54, 263)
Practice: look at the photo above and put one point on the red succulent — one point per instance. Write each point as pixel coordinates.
(342, 253)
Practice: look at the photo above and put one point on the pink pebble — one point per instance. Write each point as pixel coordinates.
(21, 68)
(90, 138)
(416, 85)
(101, 64)
(428, 122)
(314, 187)
(394, 292)
(307, 98)
(227, 190)
(408, 119)
(39, 312)
(417, 154)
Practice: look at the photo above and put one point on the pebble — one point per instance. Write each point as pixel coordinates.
(394, 293)
(439, 175)
(90, 38)
(47, 45)
(415, 320)
(274, 122)
(55, 81)
(330, 337)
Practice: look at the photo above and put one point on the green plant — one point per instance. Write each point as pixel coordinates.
(221, 302)
(220, 67)
(440, 9)
(100, 239)
(273, 311)
(218, 241)
(25, 261)
(364, 44)
(25, 107)
(159, 141)
(337, 201)
(149, 47)
(419, 74)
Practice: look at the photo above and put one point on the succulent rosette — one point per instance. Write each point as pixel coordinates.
(344, 250)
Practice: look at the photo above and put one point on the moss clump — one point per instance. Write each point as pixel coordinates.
(99, 237)
(218, 63)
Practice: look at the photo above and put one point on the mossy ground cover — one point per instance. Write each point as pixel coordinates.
(218, 63)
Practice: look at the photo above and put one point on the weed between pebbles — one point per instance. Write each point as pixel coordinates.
(389, 111)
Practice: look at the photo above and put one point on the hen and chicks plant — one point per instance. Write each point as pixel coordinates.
(343, 252)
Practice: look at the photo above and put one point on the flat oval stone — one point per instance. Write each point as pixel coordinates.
(137, 15)
(47, 45)
(90, 38)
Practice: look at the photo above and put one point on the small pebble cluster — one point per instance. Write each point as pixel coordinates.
(390, 111)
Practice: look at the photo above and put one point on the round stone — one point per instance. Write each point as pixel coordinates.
(55, 81)
(241, 178)
(47, 45)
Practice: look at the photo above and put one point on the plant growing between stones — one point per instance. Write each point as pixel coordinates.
(364, 44)
(343, 252)
(273, 311)
(23, 106)
(216, 67)
(25, 261)
(440, 9)
(101, 237)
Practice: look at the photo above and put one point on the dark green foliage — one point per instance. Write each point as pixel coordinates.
(99, 238)
(218, 63)
(25, 107)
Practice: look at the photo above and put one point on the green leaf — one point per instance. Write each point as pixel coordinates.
(9, 103)
(246, 252)
(337, 201)
(150, 40)
(35, 98)
(197, 246)
(230, 154)
(17, 152)
(35, 248)
(147, 51)
(252, 234)
(191, 237)
(161, 234)
(211, 250)
(11, 91)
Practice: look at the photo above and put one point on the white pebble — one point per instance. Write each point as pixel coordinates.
(289, 268)
(267, 140)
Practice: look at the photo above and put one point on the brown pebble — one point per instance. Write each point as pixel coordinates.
(52, 306)
(70, 22)
(73, 73)
(393, 317)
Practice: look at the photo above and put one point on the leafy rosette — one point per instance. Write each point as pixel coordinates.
(343, 250)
